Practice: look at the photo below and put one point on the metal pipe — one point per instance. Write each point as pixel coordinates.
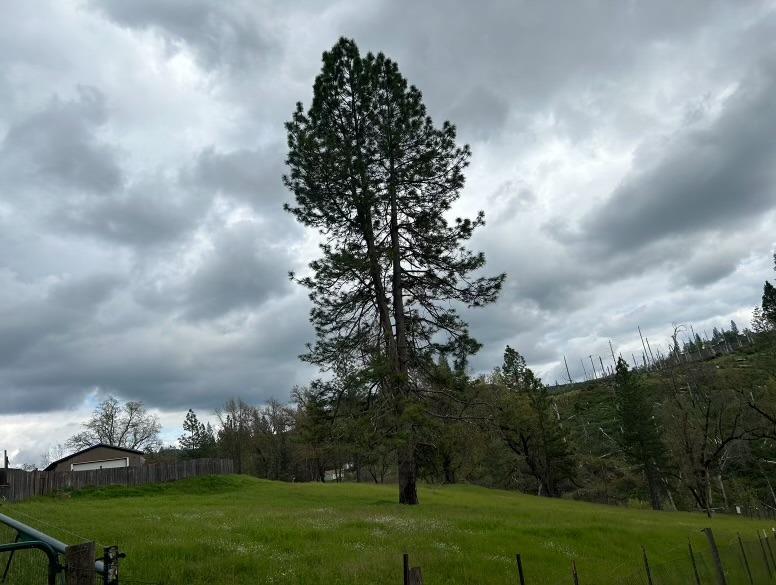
(56, 545)
(54, 566)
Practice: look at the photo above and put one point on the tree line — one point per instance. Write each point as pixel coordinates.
(692, 436)
(378, 180)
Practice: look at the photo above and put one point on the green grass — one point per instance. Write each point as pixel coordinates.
(225, 530)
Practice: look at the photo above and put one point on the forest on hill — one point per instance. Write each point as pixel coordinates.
(687, 435)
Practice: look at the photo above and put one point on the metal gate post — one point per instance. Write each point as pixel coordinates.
(646, 566)
(520, 568)
(765, 555)
(694, 564)
(746, 561)
(721, 580)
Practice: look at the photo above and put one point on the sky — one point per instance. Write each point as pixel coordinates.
(624, 154)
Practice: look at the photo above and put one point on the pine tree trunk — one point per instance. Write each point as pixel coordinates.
(408, 493)
(653, 484)
(447, 468)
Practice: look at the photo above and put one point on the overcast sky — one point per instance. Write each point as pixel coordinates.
(624, 155)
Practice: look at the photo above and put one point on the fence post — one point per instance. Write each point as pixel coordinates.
(765, 555)
(770, 550)
(694, 564)
(520, 569)
(646, 565)
(79, 560)
(715, 555)
(746, 561)
(110, 561)
(574, 572)
(416, 576)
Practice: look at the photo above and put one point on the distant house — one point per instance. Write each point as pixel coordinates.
(98, 457)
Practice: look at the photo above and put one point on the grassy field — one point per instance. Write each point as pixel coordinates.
(225, 530)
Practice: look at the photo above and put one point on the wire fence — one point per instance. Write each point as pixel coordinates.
(23, 566)
(749, 560)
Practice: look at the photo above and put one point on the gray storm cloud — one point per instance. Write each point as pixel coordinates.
(623, 154)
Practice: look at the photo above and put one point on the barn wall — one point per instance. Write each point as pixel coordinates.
(101, 454)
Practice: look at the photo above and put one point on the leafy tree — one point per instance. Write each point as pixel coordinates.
(769, 304)
(272, 429)
(639, 435)
(127, 425)
(705, 419)
(376, 177)
(198, 439)
(314, 423)
(760, 324)
(453, 439)
(529, 426)
(234, 433)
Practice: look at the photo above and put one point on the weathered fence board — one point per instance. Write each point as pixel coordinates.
(23, 485)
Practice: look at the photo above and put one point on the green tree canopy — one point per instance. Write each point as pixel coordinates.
(373, 174)
(639, 435)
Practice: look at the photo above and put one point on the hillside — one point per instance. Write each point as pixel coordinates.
(236, 529)
(732, 379)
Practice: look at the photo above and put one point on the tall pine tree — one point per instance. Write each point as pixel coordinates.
(639, 437)
(376, 177)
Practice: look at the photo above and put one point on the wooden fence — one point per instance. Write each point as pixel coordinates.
(23, 485)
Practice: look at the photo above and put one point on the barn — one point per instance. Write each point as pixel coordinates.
(99, 456)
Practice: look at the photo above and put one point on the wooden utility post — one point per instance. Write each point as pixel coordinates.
(79, 564)
(4, 479)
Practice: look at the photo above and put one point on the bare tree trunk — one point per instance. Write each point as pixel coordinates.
(722, 489)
